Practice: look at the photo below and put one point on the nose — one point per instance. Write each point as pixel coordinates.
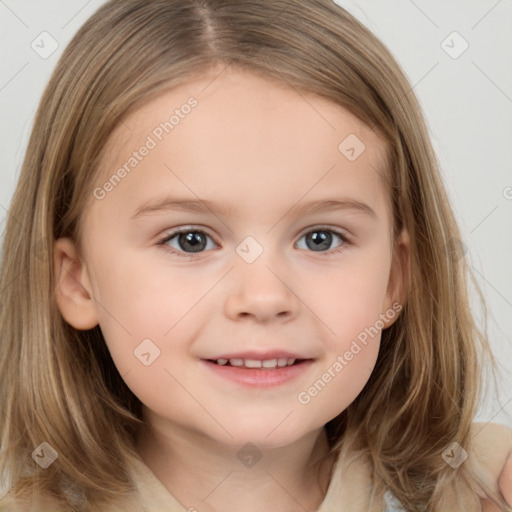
(258, 291)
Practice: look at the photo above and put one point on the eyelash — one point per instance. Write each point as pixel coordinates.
(167, 237)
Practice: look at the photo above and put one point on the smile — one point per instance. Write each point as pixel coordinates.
(269, 364)
(258, 373)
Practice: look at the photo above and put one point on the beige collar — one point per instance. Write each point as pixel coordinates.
(351, 484)
(356, 489)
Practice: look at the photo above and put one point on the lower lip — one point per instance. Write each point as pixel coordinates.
(260, 377)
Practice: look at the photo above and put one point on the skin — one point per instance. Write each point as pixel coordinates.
(260, 147)
(501, 468)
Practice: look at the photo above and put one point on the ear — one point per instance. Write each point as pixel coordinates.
(397, 283)
(73, 291)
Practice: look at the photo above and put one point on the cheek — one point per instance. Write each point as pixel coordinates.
(351, 309)
(341, 381)
(350, 299)
(150, 310)
(348, 304)
(145, 299)
(148, 319)
(351, 345)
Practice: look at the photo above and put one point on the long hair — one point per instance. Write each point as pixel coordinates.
(60, 386)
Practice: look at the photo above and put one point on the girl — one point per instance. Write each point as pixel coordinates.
(230, 277)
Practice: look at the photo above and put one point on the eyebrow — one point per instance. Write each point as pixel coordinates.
(167, 204)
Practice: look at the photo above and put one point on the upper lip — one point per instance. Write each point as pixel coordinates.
(259, 356)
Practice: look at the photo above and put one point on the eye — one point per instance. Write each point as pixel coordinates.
(189, 241)
(321, 238)
(185, 241)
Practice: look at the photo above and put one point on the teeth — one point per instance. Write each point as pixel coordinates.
(255, 363)
(252, 363)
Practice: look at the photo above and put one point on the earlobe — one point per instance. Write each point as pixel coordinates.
(72, 288)
(398, 278)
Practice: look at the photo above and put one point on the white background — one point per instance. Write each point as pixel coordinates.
(467, 102)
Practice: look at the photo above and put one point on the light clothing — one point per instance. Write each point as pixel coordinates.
(350, 486)
(392, 504)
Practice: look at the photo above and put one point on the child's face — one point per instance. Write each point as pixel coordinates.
(256, 284)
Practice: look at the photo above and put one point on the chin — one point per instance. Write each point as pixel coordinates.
(265, 435)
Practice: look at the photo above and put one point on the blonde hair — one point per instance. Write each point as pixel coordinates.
(60, 385)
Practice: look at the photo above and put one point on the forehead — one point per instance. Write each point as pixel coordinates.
(237, 131)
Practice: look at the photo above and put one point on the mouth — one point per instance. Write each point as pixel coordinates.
(258, 364)
(259, 372)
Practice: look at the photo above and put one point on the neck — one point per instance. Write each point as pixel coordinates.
(205, 475)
